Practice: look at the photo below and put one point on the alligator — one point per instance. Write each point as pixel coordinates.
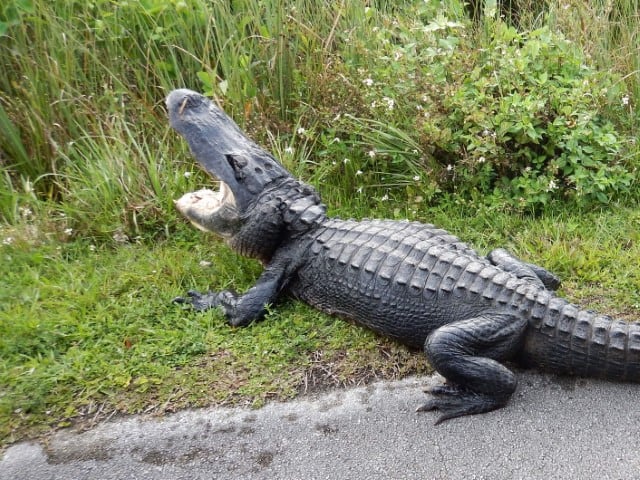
(410, 281)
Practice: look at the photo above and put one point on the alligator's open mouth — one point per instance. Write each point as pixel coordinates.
(203, 204)
(206, 200)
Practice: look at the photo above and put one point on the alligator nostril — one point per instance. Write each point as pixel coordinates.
(258, 170)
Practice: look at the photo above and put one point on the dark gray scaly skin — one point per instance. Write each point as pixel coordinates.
(409, 281)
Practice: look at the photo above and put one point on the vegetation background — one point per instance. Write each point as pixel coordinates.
(518, 128)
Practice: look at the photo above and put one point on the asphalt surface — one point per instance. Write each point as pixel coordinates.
(553, 428)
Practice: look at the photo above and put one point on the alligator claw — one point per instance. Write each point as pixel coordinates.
(454, 402)
(199, 301)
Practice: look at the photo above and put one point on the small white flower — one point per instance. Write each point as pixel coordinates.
(7, 240)
(390, 102)
(301, 131)
(345, 160)
(205, 263)
(384, 198)
(120, 237)
(625, 100)
(334, 163)
(368, 82)
(68, 231)
(92, 248)
(482, 160)
(552, 186)
(289, 150)
(449, 167)
(335, 140)
(397, 55)
(372, 153)
(25, 212)
(187, 174)
(359, 189)
(359, 172)
(416, 178)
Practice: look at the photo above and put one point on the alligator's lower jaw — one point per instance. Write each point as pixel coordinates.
(202, 204)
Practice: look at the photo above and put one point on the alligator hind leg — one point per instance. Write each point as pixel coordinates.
(501, 258)
(467, 353)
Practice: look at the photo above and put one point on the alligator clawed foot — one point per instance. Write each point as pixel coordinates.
(199, 301)
(452, 401)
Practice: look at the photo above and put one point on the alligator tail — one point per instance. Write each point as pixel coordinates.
(566, 339)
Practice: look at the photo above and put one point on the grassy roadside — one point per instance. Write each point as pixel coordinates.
(392, 109)
(87, 332)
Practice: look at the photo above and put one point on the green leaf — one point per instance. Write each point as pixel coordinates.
(206, 79)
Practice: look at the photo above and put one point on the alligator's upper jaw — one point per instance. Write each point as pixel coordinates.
(211, 135)
(221, 147)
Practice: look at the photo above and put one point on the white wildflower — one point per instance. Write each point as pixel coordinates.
(345, 160)
(359, 189)
(384, 198)
(289, 150)
(25, 212)
(7, 240)
(92, 248)
(397, 55)
(205, 263)
(68, 231)
(120, 237)
(187, 174)
(625, 100)
(449, 167)
(482, 160)
(416, 178)
(552, 186)
(301, 131)
(368, 82)
(390, 102)
(372, 153)
(359, 172)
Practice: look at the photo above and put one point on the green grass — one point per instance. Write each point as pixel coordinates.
(87, 331)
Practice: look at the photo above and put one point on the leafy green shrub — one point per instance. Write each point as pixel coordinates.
(526, 122)
(508, 116)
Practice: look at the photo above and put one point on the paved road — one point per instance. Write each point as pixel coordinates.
(552, 429)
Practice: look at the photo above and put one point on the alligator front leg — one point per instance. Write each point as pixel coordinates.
(467, 353)
(241, 310)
